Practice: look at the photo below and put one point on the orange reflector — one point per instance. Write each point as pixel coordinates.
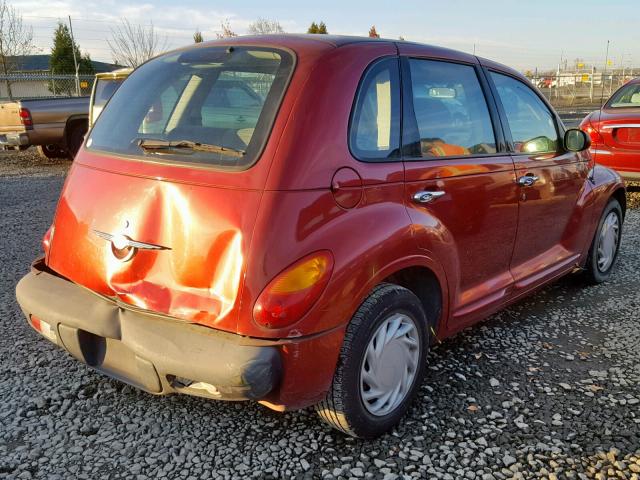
(43, 327)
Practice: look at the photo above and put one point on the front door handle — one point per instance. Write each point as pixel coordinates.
(528, 180)
(426, 197)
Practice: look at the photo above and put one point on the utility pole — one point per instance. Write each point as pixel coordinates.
(593, 74)
(606, 62)
(75, 60)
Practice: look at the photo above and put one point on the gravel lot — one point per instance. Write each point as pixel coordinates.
(546, 389)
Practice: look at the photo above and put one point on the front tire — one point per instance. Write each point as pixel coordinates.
(606, 244)
(381, 364)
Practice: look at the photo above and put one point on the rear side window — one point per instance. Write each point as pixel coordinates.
(375, 124)
(531, 123)
(451, 114)
(212, 105)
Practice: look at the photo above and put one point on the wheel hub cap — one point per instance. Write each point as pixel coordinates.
(390, 364)
(608, 241)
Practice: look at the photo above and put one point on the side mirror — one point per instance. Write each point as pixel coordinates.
(575, 140)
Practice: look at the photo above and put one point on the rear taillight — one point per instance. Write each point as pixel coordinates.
(25, 117)
(290, 295)
(593, 133)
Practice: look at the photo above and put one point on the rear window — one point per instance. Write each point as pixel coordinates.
(211, 105)
(627, 97)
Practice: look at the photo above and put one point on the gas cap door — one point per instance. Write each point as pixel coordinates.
(346, 186)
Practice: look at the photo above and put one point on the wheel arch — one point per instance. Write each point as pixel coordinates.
(425, 285)
(620, 195)
(72, 123)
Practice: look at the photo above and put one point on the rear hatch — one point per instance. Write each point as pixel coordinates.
(159, 207)
(10, 120)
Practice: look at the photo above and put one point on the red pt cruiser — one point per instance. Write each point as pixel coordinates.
(615, 132)
(293, 219)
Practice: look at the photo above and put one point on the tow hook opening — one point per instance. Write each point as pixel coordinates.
(193, 386)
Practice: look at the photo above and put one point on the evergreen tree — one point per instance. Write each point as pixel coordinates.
(317, 28)
(197, 37)
(61, 61)
(373, 33)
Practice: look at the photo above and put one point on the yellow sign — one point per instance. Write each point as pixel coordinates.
(609, 62)
(84, 84)
(585, 77)
(581, 65)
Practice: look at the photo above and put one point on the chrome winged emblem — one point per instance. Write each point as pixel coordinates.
(124, 247)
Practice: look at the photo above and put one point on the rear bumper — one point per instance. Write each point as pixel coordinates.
(154, 353)
(14, 139)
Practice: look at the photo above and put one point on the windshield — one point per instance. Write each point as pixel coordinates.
(221, 98)
(627, 96)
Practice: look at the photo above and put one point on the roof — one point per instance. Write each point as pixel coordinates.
(40, 63)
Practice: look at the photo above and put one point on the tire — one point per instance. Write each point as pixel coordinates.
(597, 272)
(75, 139)
(345, 407)
(52, 151)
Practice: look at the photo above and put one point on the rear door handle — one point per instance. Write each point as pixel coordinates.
(426, 197)
(528, 180)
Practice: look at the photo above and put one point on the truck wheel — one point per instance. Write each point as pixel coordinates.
(381, 364)
(76, 137)
(52, 151)
(606, 244)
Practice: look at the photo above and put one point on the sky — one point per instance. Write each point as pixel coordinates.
(523, 34)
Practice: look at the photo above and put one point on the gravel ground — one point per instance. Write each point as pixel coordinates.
(545, 389)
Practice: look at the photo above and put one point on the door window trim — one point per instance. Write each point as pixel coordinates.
(410, 118)
(557, 122)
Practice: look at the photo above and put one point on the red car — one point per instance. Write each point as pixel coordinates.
(304, 244)
(615, 132)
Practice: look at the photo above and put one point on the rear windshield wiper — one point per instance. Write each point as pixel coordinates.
(156, 144)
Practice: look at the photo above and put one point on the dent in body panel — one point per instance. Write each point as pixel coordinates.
(198, 279)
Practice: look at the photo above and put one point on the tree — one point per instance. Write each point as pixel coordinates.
(133, 44)
(226, 30)
(263, 26)
(16, 39)
(197, 37)
(62, 60)
(317, 28)
(373, 33)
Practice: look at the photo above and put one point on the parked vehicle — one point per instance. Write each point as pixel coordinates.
(104, 86)
(615, 131)
(55, 125)
(308, 253)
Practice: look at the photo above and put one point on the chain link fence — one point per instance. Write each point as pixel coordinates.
(579, 89)
(18, 86)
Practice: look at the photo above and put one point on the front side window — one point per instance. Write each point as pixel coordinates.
(375, 124)
(451, 114)
(212, 105)
(531, 123)
(627, 97)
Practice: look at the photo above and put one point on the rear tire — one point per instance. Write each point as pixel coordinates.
(605, 245)
(52, 151)
(75, 139)
(367, 399)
